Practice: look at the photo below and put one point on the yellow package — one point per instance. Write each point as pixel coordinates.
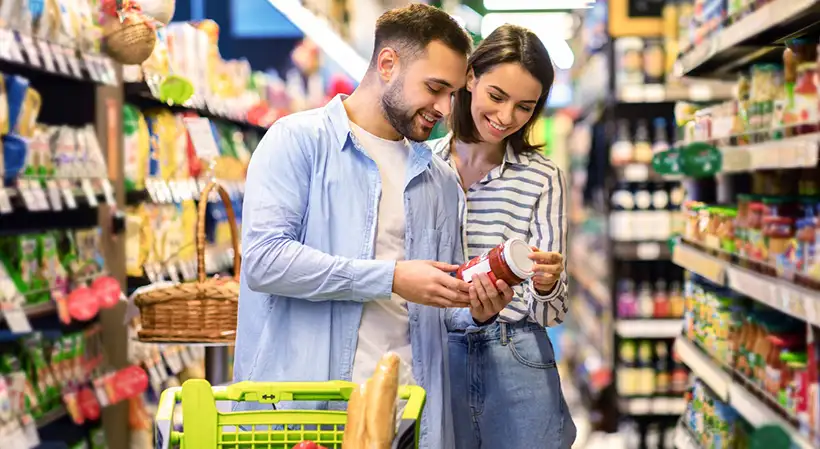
(4, 107)
(29, 113)
(135, 249)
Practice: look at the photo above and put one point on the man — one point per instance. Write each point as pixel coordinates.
(350, 230)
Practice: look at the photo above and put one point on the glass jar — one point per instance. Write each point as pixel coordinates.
(755, 247)
(509, 261)
(726, 230)
(779, 235)
(805, 98)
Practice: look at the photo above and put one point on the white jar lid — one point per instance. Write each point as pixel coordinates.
(516, 253)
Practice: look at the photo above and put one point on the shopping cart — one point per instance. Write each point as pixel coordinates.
(204, 427)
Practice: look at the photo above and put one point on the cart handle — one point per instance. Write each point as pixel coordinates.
(271, 393)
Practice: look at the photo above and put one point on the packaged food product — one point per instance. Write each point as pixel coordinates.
(805, 98)
(779, 235)
(755, 247)
(508, 262)
(805, 255)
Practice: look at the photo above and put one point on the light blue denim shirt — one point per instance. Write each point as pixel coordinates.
(308, 235)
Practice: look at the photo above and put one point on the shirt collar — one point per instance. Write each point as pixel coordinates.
(510, 157)
(340, 124)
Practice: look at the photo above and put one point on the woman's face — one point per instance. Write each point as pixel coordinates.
(504, 100)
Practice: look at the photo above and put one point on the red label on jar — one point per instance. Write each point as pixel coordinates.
(493, 264)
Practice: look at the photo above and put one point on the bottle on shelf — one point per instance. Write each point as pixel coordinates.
(621, 152)
(627, 373)
(645, 369)
(642, 147)
(661, 300)
(661, 140)
(626, 298)
(646, 299)
(663, 377)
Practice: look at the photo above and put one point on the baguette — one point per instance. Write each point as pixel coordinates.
(381, 394)
(355, 434)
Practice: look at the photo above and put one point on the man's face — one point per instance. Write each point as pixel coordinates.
(420, 94)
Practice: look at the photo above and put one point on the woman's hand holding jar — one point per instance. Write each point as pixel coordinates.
(548, 268)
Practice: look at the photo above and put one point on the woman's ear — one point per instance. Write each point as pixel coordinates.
(471, 80)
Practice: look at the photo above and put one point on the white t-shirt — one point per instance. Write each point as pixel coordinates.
(385, 322)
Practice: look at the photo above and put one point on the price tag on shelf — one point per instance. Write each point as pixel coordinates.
(173, 272)
(202, 137)
(40, 196)
(5, 202)
(90, 195)
(110, 74)
(16, 319)
(73, 62)
(91, 67)
(6, 38)
(30, 48)
(68, 194)
(54, 195)
(172, 187)
(16, 51)
(108, 191)
(28, 196)
(648, 250)
(45, 52)
(59, 57)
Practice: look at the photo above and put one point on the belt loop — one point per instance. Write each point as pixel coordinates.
(504, 339)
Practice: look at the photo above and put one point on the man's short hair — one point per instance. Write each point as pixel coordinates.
(410, 29)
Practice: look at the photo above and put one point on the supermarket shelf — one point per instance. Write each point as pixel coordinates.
(141, 94)
(749, 38)
(657, 406)
(777, 293)
(713, 375)
(685, 438)
(649, 250)
(793, 152)
(52, 416)
(31, 56)
(649, 328)
(659, 93)
(735, 392)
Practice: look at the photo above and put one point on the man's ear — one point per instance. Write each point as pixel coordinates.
(471, 80)
(387, 63)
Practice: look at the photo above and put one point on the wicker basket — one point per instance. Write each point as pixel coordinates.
(195, 312)
(130, 41)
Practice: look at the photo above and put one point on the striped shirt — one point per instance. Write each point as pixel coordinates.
(523, 198)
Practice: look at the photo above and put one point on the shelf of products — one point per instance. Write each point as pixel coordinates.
(651, 328)
(732, 36)
(737, 394)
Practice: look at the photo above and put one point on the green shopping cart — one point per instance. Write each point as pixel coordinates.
(205, 427)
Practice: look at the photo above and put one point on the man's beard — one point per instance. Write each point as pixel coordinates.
(398, 115)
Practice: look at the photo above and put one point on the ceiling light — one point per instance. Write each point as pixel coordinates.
(559, 24)
(537, 5)
(552, 28)
(320, 32)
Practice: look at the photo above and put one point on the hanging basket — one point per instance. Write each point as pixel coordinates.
(195, 312)
(130, 41)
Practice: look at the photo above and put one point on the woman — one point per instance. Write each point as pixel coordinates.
(505, 388)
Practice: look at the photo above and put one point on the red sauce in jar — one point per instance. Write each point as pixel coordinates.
(508, 262)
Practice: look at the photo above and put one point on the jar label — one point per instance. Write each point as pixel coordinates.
(481, 267)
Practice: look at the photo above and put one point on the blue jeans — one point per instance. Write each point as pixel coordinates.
(506, 391)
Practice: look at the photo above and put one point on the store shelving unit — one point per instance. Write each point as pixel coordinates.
(757, 36)
(752, 37)
(743, 395)
(90, 83)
